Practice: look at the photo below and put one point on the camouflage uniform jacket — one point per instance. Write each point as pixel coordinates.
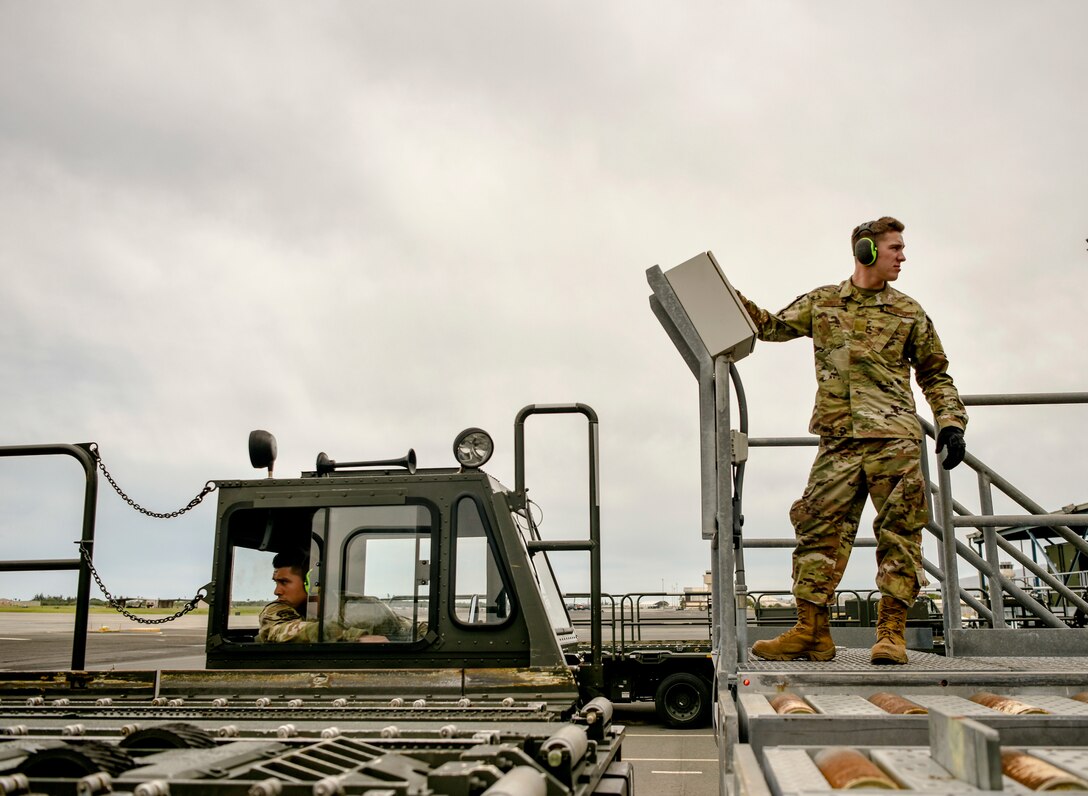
(280, 622)
(864, 348)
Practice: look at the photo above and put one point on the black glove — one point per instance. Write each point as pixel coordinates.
(952, 438)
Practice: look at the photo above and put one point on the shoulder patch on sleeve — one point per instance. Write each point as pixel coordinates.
(278, 612)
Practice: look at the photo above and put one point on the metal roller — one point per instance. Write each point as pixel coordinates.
(520, 781)
(266, 787)
(598, 711)
(14, 783)
(893, 703)
(1005, 704)
(568, 739)
(1038, 774)
(785, 704)
(846, 768)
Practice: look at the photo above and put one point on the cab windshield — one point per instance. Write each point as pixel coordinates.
(367, 573)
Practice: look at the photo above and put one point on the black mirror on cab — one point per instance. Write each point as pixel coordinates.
(262, 450)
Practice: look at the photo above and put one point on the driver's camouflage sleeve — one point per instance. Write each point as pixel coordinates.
(279, 623)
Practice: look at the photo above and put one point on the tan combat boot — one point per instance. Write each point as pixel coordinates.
(810, 639)
(891, 629)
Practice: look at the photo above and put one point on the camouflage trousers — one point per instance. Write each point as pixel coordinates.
(825, 518)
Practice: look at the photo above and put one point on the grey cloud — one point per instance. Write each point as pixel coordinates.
(366, 227)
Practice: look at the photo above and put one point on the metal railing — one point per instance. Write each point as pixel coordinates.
(628, 623)
(82, 454)
(637, 618)
(1061, 606)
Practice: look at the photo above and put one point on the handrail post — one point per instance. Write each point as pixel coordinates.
(520, 500)
(727, 608)
(950, 586)
(81, 453)
(83, 584)
(989, 540)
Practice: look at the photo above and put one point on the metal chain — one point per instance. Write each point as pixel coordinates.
(119, 606)
(114, 603)
(207, 490)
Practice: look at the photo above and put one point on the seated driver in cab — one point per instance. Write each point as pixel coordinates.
(284, 620)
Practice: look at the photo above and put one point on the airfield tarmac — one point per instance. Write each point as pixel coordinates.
(667, 762)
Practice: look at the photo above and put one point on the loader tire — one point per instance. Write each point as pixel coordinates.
(683, 701)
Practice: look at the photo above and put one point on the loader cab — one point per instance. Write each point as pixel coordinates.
(404, 568)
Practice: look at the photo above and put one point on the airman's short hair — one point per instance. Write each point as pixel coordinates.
(297, 560)
(874, 229)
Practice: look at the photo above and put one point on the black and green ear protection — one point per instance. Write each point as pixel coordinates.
(865, 248)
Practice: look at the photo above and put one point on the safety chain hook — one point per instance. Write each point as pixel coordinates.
(119, 606)
(207, 490)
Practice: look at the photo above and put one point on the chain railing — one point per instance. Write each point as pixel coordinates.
(118, 604)
(167, 515)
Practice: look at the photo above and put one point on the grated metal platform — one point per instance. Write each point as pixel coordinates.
(923, 671)
(774, 752)
(793, 771)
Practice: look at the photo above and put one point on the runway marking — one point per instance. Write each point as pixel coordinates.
(670, 759)
(676, 772)
(12, 638)
(663, 735)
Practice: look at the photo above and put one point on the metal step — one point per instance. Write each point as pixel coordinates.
(923, 671)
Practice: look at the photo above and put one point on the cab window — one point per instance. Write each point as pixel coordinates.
(256, 537)
(481, 595)
(366, 573)
(385, 583)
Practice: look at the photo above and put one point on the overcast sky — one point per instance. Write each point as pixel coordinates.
(366, 226)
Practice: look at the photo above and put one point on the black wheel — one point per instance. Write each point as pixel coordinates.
(173, 735)
(76, 759)
(683, 701)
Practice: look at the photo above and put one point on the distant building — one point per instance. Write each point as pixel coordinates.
(698, 596)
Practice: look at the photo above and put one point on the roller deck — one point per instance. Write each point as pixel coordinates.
(793, 771)
(775, 753)
(144, 733)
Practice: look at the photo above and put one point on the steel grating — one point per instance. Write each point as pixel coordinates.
(925, 673)
(789, 770)
(792, 770)
(1073, 760)
(915, 769)
(1060, 705)
(950, 703)
(851, 659)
